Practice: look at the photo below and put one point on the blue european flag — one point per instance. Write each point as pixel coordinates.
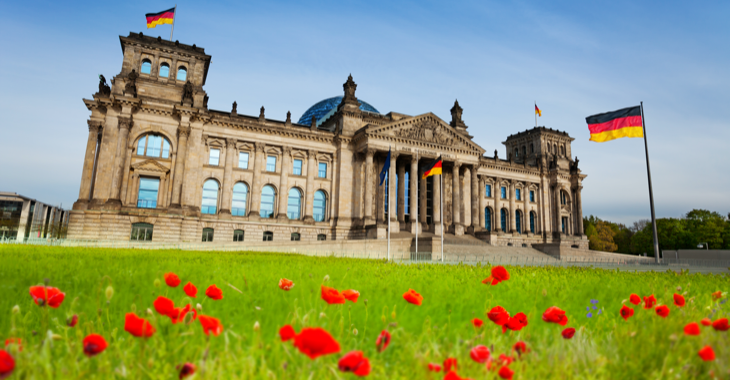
(386, 167)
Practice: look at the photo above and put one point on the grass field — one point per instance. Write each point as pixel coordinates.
(605, 346)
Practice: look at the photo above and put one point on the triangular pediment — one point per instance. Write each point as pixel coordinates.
(427, 128)
(150, 166)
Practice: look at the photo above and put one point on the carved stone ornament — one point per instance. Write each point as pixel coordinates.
(370, 152)
(427, 131)
(104, 89)
(125, 122)
(234, 110)
(94, 126)
(496, 154)
(187, 92)
(130, 86)
(312, 153)
(288, 117)
(287, 151)
(261, 114)
(205, 101)
(314, 122)
(184, 131)
(230, 143)
(260, 147)
(350, 88)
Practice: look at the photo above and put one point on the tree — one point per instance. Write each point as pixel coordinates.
(603, 239)
(707, 227)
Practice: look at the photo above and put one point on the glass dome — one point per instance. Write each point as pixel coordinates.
(323, 107)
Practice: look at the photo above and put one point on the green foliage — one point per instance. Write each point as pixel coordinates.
(605, 347)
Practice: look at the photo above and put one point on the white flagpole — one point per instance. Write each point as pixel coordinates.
(390, 203)
(416, 213)
(174, 16)
(535, 113)
(441, 192)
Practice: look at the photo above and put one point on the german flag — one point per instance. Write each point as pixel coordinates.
(609, 126)
(537, 111)
(434, 168)
(159, 18)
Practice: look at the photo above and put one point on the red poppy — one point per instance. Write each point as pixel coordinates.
(187, 369)
(452, 375)
(449, 364)
(383, 341)
(555, 315)
(315, 342)
(178, 314)
(635, 299)
(721, 324)
(515, 323)
(413, 297)
(499, 274)
(164, 305)
(477, 322)
(678, 300)
(7, 364)
(46, 295)
(505, 360)
(521, 348)
(351, 295)
(498, 315)
(717, 295)
(71, 322)
(286, 333)
(706, 322)
(16, 341)
(210, 325)
(662, 311)
(190, 290)
(480, 354)
(568, 333)
(94, 344)
(354, 362)
(649, 302)
(707, 354)
(332, 296)
(506, 373)
(626, 312)
(433, 367)
(172, 280)
(285, 284)
(137, 326)
(214, 292)
(692, 329)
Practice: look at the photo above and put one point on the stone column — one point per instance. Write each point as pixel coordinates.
(578, 205)
(369, 186)
(392, 197)
(456, 196)
(497, 194)
(512, 208)
(558, 218)
(401, 193)
(227, 188)
(475, 226)
(182, 148)
(87, 172)
(258, 168)
(539, 212)
(526, 208)
(423, 206)
(482, 204)
(437, 205)
(309, 205)
(125, 124)
(284, 184)
(413, 177)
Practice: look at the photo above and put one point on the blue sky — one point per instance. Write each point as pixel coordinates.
(574, 58)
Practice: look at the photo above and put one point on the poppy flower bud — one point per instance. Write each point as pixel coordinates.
(149, 312)
(46, 281)
(199, 307)
(16, 309)
(383, 318)
(354, 332)
(322, 315)
(133, 308)
(326, 278)
(109, 292)
(157, 283)
(56, 337)
(188, 318)
(544, 292)
(366, 302)
(305, 319)
(256, 326)
(392, 315)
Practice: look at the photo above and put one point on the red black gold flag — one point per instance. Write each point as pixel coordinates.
(537, 111)
(159, 18)
(609, 126)
(434, 168)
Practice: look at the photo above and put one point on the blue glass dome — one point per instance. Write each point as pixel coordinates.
(323, 107)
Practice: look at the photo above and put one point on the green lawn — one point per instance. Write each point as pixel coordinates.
(605, 346)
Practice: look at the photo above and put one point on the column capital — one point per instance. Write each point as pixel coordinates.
(94, 126)
(125, 122)
(286, 150)
(457, 165)
(183, 132)
(230, 143)
(370, 152)
(260, 146)
(311, 153)
(394, 155)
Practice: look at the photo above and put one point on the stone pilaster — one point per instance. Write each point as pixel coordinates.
(258, 168)
(497, 194)
(578, 206)
(482, 203)
(423, 209)
(437, 205)
(456, 199)
(88, 170)
(183, 132)
(401, 193)
(284, 184)
(475, 204)
(369, 186)
(512, 208)
(526, 208)
(125, 124)
(227, 189)
(414, 211)
(309, 204)
(392, 197)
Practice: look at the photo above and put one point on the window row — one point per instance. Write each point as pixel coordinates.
(503, 220)
(164, 72)
(503, 193)
(243, 158)
(143, 232)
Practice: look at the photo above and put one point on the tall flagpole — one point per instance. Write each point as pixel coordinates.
(174, 16)
(390, 203)
(416, 213)
(535, 110)
(651, 192)
(441, 193)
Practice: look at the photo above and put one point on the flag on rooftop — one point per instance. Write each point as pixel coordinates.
(537, 111)
(159, 18)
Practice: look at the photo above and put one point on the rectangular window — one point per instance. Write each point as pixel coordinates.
(322, 170)
(271, 164)
(488, 191)
(147, 196)
(207, 234)
(238, 235)
(563, 224)
(297, 170)
(215, 155)
(532, 195)
(504, 192)
(518, 194)
(243, 160)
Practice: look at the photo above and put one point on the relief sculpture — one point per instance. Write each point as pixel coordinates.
(426, 131)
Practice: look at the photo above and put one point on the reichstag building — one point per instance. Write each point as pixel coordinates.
(161, 166)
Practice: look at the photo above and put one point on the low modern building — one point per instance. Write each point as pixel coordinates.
(161, 166)
(24, 218)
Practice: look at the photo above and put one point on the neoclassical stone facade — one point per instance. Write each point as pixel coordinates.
(160, 165)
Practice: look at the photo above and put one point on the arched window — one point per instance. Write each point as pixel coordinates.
(532, 148)
(210, 197)
(518, 221)
(164, 70)
(207, 234)
(503, 219)
(517, 152)
(240, 195)
(563, 197)
(524, 151)
(295, 236)
(141, 232)
(294, 205)
(562, 150)
(268, 199)
(146, 66)
(320, 206)
(153, 146)
(488, 219)
(182, 73)
(555, 148)
(268, 236)
(532, 222)
(237, 235)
